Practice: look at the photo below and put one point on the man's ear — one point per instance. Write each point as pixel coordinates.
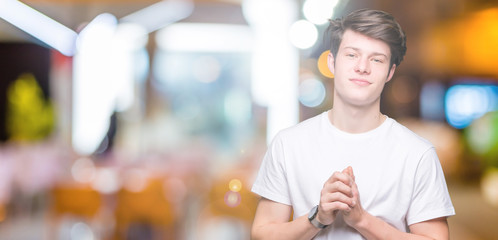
(391, 73)
(331, 63)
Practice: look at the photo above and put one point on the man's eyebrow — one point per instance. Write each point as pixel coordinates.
(372, 54)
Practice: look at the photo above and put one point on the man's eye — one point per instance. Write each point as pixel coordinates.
(350, 55)
(377, 60)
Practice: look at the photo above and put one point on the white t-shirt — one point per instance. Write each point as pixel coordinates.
(398, 173)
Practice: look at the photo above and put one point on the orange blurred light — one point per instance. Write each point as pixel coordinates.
(464, 46)
(235, 185)
(323, 66)
(479, 38)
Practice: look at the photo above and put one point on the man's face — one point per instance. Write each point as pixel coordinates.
(361, 69)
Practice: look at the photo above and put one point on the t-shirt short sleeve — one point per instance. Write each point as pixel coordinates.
(430, 198)
(271, 181)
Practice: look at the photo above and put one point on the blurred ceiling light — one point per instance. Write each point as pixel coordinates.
(131, 36)
(205, 37)
(160, 14)
(319, 11)
(128, 40)
(272, 13)
(275, 62)
(303, 34)
(101, 28)
(39, 26)
(104, 75)
(94, 86)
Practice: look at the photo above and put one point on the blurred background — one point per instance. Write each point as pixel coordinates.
(147, 119)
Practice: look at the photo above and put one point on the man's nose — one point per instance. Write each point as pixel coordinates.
(362, 66)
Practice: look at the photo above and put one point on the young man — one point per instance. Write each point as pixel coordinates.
(352, 172)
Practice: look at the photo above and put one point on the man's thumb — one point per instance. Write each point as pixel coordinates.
(349, 171)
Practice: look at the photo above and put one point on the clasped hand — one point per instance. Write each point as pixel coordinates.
(340, 194)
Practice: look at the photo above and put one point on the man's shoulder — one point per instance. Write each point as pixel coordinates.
(300, 132)
(303, 127)
(405, 135)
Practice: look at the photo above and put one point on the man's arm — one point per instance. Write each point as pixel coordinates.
(434, 228)
(373, 228)
(272, 222)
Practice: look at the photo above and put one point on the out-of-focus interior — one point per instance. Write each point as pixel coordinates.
(147, 119)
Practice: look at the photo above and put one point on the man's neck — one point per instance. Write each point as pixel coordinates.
(356, 120)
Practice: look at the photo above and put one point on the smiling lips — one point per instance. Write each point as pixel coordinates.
(360, 82)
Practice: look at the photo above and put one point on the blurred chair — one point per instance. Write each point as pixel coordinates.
(73, 201)
(145, 214)
(76, 200)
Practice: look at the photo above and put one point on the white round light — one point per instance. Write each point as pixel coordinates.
(303, 34)
(319, 11)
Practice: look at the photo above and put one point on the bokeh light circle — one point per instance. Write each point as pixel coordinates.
(83, 170)
(482, 138)
(81, 230)
(489, 186)
(235, 185)
(232, 199)
(319, 11)
(135, 180)
(311, 92)
(303, 34)
(323, 66)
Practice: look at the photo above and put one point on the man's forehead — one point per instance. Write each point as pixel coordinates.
(359, 42)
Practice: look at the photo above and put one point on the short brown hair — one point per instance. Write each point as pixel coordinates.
(373, 23)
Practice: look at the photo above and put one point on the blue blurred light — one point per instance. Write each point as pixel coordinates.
(465, 103)
(311, 92)
(432, 101)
